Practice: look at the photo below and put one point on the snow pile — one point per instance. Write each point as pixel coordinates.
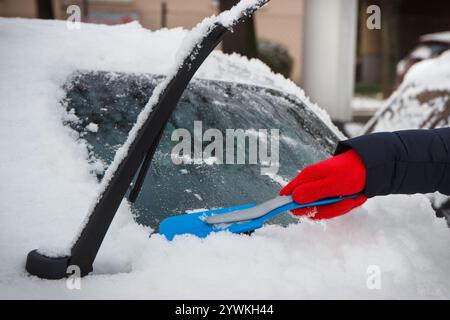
(353, 129)
(389, 237)
(47, 188)
(229, 18)
(422, 101)
(410, 112)
(366, 104)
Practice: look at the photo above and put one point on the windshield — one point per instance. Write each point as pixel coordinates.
(104, 106)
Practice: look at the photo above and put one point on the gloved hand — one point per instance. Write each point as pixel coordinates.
(341, 175)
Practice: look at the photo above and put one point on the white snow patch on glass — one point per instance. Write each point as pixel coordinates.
(92, 127)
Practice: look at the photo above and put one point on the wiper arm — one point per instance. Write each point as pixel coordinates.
(144, 169)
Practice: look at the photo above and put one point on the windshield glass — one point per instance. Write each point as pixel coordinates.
(414, 107)
(104, 106)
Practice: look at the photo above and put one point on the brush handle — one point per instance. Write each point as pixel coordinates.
(279, 204)
(196, 224)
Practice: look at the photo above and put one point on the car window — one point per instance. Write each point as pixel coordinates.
(104, 106)
(438, 48)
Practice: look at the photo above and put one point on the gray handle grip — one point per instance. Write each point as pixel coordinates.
(250, 213)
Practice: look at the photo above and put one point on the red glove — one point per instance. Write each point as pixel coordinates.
(341, 175)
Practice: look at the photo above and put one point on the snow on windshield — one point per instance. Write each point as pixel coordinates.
(188, 47)
(47, 188)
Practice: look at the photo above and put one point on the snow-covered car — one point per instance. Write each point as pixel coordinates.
(51, 161)
(103, 107)
(421, 102)
(429, 46)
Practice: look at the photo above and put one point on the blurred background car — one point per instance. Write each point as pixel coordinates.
(422, 101)
(429, 46)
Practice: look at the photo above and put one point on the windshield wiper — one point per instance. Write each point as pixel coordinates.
(132, 196)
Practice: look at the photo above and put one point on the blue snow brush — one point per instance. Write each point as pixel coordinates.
(238, 219)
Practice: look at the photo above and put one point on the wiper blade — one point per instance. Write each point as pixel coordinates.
(134, 193)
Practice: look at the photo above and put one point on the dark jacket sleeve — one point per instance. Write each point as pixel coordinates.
(406, 162)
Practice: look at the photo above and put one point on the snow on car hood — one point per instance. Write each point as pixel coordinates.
(47, 188)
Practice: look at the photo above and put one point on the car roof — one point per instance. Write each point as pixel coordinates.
(442, 37)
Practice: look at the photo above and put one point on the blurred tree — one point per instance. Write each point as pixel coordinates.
(276, 56)
(163, 14)
(243, 39)
(85, 10)
(45, 9)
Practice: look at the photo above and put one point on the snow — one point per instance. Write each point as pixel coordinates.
(229, 18)
(366, 104)
(353, 129)
(439, 37)
(431, 75)
(48, 185)
(92, 127)
(302, 261)
(431, 70)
